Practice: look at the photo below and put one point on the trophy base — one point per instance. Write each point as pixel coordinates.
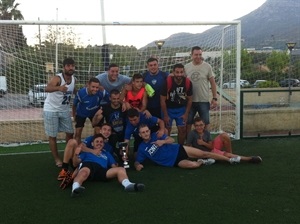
(126, 165)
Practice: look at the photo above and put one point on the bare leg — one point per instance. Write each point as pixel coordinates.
(82, 175)
(69, 136)
(54, 151)
(181, 134)
(226, 142)
(118, 172)
(69, 150)
(197, 153)
(78, 133)
(188, 164)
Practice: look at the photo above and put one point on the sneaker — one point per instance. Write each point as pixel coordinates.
(62, 174)
(77, 191)
(207, 161)
(255, 159)
(235, 160)
(135, 187)
(67, 181)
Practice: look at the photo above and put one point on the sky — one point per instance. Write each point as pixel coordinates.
(133, 11)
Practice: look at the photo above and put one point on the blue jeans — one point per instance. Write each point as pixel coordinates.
(203, 110)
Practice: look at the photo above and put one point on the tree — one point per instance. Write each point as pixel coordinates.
(9, 11)
(276, 62)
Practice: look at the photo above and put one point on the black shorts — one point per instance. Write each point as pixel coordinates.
(80, 121)
(97, 172)
(181, 155)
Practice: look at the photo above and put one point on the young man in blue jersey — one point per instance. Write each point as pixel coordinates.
(156, 79)
(164, 152)
(86, 146)
(99, 166)
(135, 119)
(86, 104)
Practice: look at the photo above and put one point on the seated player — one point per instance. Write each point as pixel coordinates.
(99, 166)
(200, 138)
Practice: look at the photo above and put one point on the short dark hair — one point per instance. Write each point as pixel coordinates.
(198, 119)
(137, 76)
(68, 61)
(152, 59)
(94, 79)
(195, 48)
(113, 65)
(97, 136)
(114, 91)
(133, 113)
(106, 124)
(178, 66)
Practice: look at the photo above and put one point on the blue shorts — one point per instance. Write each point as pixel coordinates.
(55, 122)
(203, 110)
(176, 114)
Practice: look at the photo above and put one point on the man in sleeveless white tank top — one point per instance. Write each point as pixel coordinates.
(57, 114)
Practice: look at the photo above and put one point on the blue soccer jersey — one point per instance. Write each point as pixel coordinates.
(107, 147)
(164, 155)
(104, 159)
(87, 104)
(133, 130)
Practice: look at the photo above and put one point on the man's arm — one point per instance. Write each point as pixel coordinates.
(163, 106)
(97, 117)
(213, 91)
(54, 85)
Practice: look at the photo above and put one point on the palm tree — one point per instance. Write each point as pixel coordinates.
(9, 11)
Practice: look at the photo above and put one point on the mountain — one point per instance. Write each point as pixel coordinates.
(273, 24)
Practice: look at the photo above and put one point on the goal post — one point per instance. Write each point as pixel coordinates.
(32, 51)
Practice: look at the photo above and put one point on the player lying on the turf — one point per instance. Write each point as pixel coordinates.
(165, 152)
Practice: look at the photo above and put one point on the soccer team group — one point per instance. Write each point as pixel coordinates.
(143, 107)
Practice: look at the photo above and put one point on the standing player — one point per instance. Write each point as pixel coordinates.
(202, 77)
(57, 116)
(176, 101)
(156, 79)
(86, 104)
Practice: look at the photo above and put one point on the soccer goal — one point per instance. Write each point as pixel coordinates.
(32, 51)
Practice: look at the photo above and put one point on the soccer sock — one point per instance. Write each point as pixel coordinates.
(75, 185)
(65, 166)
(126, 182)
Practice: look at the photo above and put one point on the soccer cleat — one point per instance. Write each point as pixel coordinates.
(77, 191)
(255, 159)
(207, 161)
(235, 160)
(62, 174)
(135, 187)
(68, 180)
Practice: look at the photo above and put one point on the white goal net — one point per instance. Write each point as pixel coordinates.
(32, 51)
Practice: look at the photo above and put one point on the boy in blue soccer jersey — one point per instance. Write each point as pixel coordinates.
(99, 166)
(135, 119)
(86, 104)
(86, 146)
(163, 151)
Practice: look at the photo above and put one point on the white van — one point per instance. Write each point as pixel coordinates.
(3, 86)
(37, 95)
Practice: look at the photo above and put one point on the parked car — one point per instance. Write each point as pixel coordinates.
(258, 82)
(3, 86)
(293, 82)
(37, 95)
(232, 84)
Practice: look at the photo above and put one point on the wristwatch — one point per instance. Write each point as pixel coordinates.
(215, 99)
